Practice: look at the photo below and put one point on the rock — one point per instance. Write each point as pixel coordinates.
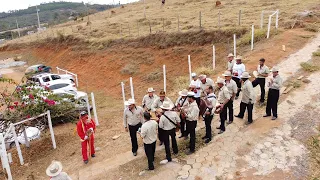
(175, 160)
(97, 149)
(186, 167)
(286, 91)
(307, 81)
(267, 144)
(142, 173)
(116, 137)
(300, 77)
(291, 102)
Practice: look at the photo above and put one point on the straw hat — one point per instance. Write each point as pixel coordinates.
(275, 69)
(227, 73)
(202, 77)
(166, 105)
(193, 74)
(162, 93)
(230, 55)
(126, 103)
(131, 101)
(190, 94)
(245, 75)
(54, 169)
(239, 58)
(183, 92)
(150, 90)
(220, 80)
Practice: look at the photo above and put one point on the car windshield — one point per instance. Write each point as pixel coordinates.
(58, 86)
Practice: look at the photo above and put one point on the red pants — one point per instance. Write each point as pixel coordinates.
(84, 146)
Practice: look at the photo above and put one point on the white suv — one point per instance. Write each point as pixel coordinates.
(46, 79)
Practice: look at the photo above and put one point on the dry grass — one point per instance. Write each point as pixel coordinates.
(129, 22)
(317, 53)
(306, 66)
(314, 148)
(312, 27)
(130, 69)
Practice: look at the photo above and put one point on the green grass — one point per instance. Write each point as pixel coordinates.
(259, 34)
(309, 67)
(317, 53)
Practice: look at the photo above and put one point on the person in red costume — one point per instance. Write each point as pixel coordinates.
(85, 129)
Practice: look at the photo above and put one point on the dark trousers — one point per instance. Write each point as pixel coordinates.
(191, 129)
(133, 135)
(223, 117)
(262, 84)
(198, 101)
(166, 134)
(229, 107)
(237, 80)
(208, 120)
(243, 107)
(160, 134)
(150, 149)
(272, 102)
(182, 126)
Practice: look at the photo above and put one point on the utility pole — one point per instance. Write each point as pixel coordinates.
(38, 17)
(87, 11)
(18, 27)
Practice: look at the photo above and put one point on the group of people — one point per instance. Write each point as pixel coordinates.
(204, 98)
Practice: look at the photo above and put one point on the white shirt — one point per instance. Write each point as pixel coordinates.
(192, 113)
(157, 103)
(148, 101)
(149, 131)
(182, 102)
(164, 122)
(238, 68)
(197, 85)
(262, 70)
(276, 83)
(133, 117)
(248, 94)
(204, 86)
(232, 87)
(61, 176)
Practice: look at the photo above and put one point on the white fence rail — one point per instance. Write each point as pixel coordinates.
(68, 72)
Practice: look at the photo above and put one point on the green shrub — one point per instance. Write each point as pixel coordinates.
(309, 67)
(259, 34)
(317, 53)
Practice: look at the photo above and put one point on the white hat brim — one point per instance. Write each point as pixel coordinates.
(167, 108)
(54, 174)
(180, 93)
(225, 75)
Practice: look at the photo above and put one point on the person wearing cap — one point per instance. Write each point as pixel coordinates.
(148, 99)
(54, 171)
(85, 129)
(237, 70)
(169, 121)
(223, 99)
(157, 110)
(133, 117)
(209, 113)
(274, 85)
(263, 72)
(233, 89)
(182, 103)
(149, 135)
(204, 83)
(248, 98)
(195, 87)
(192, 115)
(231, 62)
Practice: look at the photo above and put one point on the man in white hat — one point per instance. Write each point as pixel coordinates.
(133, 117)
(223, 99)
(54, 171)
(248, 98)
(181, 104)
(205, 81)
(233, 89)
(237, 70)
(149, 135)
(148, 99)
(209, 113)
(273, 95)
(263, 72)
(169, 121)
(192, 115)
(231, 62)
(195, 87)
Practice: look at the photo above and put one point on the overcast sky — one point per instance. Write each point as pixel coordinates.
(7, 5)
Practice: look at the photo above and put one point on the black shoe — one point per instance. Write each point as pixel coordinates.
(220, 132)
(181, 136)
(247, 123)
(273, 118)
(93, 155)
(229, 122)
(237, 116)
(135, 153)
(266, 115)
(207, 140)
(86, 162)
(189, 152)
(204, 137)
(218, 127)
(150, 169)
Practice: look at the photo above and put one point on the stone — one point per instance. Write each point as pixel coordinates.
(176, 160)
(183, 173)
(191, 161)
(97, 149)
(209, 158)
(200, 159)
(300, 77)
(186, 167)
(116, 137)
(142, 173)
(230, 177)
(275, 149)
(264, 156)
(197, 165)
(222, 153)
(260, 146)
(193, 171)
(203, 154)
(268, 144)
(257, 151)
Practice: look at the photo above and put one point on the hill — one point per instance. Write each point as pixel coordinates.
(51, 13)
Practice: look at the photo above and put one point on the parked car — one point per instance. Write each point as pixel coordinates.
(39, 68)
(61, 85)
(33, 133)
(79, 97)
(46, 78)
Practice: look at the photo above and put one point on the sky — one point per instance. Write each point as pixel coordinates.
(23, 4)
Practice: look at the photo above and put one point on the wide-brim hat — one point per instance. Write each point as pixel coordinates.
(150, 90)
(239, 58)
(227, 73)
(166, 105)
(131, 101)
(126, 103)
(230, 55)
(162, 93)
(275, 69)
(220, 80)
(191, 94)
(183, 92)
(245, 75)
(202, 77)
(54, 169)
(193, 74)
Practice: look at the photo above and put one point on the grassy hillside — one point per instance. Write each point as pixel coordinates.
(52, 13)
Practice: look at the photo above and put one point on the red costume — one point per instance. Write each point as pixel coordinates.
(82, 128)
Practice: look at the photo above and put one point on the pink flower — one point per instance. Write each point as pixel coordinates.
(28, 116)
(19, 89)
(31, 96)
(16, 103)
(46, 88)
(11, 107)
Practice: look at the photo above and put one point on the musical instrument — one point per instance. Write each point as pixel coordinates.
(89, 132)
(204, 105)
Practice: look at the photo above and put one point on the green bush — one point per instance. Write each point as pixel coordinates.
(259, 34)
(317, 53)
